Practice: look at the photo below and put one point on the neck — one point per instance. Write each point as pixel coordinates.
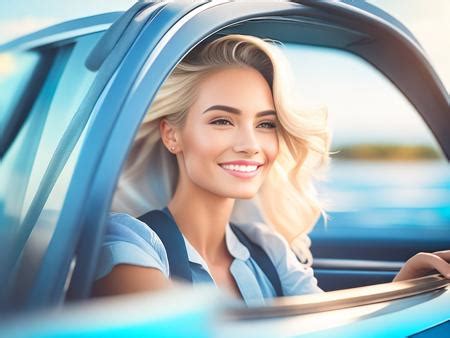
(202, 218)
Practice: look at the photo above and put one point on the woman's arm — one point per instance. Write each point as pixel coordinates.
(126, 278)
(425, 263)
(132, 259)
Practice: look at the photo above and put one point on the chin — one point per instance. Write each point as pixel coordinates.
(244, 195)
(235, 191)
(247, 197)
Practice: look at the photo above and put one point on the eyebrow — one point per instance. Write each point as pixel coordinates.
(238, 112)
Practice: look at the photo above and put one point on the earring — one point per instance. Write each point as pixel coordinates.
(172, 149)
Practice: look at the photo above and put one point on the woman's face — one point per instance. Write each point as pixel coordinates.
(229, 140)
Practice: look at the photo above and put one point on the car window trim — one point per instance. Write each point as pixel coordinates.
(340, 299)
(120, 30)
(356, 264)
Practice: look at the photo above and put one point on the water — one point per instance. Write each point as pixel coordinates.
(386, 194)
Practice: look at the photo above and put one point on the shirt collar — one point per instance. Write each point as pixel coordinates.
(193, 255)
(234, 246)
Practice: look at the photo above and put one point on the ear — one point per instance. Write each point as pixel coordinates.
(169, 136)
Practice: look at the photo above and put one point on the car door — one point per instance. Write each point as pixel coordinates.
(140, 50)
(44, 83)
(330, 24)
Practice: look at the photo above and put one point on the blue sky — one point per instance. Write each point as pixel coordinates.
(362, 103)
(365, 95)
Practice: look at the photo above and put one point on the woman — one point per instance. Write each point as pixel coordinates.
(225, 141)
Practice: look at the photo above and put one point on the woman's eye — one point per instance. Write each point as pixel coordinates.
(268, 124)
(221, 122)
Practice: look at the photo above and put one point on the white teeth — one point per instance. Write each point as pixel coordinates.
(244, 168)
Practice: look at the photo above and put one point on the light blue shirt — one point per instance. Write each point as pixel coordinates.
(130, 241)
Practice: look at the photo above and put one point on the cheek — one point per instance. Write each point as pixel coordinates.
(271, 147)
(203, 145)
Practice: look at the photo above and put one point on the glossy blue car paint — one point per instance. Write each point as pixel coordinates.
(194, 315)
(182, 312)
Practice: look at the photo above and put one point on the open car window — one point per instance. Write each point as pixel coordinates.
(386, 191)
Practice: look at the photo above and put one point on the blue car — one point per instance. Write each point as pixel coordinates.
(72, 99)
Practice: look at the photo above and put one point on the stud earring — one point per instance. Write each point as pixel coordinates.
(172, 148)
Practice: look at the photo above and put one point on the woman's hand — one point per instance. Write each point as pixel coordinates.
(425, 263)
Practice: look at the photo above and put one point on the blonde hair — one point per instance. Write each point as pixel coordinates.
(287, 200)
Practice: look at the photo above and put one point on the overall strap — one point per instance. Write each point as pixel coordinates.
(161, 222)
(261, 258)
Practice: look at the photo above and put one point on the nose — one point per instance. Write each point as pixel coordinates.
(247, 142)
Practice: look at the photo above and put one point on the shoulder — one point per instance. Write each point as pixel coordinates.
(296, 278)
(127, 240)
(121, 226)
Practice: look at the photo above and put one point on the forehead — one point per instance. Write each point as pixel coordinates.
(242, 87)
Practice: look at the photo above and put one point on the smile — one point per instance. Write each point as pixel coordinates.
(241, 168)
(241, 171)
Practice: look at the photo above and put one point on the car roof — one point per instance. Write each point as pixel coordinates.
(100, 22)
(62, 31)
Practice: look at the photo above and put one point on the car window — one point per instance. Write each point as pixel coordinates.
(16, 69)
(429, 24)
(28, 221)
(387, 170)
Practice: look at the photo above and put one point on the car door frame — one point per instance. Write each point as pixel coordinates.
(157, 49)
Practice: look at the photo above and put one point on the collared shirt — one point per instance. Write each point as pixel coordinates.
(130, 241)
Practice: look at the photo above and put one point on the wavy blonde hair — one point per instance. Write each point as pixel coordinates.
(287, 200)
